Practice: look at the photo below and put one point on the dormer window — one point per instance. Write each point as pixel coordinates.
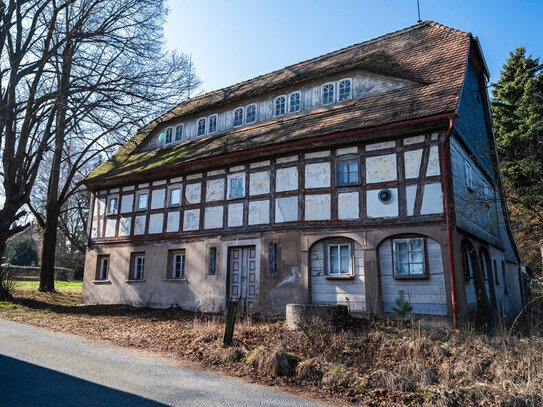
(344, 90)
(294, 102)
(280, 105)
(212, 128)
(327, 93)
(238, 117)
(179, 132)
(169, 135)
(250, 113)
(201, 127)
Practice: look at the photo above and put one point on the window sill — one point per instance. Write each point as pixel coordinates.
(135, 281)
(175, 280)
(424, 277)
(344, 277)
(98, 282)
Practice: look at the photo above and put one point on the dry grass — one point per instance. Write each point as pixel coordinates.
(375, 362)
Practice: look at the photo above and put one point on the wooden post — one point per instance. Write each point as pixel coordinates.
(230, 321)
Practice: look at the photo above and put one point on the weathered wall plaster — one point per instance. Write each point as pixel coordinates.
(215, 190)
(193, 193)
(412, 161)
(139, 225)
(381, 168)
(348, 205)
(432, 199)
(235, 215)
(127, 203)
(172, 224)
(378, 209)
(156, 223)
(259, 212)
(317, 207)
(213, 217)
(317, 175)
(259, 183)
(157, 198)
(286, 209)
(191, 219)
(286, 179)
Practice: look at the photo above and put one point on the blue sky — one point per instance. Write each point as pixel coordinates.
(234, 40)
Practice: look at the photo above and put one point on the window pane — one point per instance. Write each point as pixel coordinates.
(415, 257)
(402, 269)
(280, 103)
(238, 116)
(251, 114)
(353, 171)
(333, 260)
(175, 196)
(201, 127)
(417, 268)
(179, 133)
(113, 205)
(328, 94)
(212, 124)
(344, 252)
(344, 90)
(169, 133)
(142, 201)
(294, 102)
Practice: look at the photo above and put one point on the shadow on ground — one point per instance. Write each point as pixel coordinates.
(26, 384)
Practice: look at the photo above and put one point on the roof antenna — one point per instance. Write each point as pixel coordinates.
(418, 9)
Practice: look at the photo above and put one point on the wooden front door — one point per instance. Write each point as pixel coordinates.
(242, 276)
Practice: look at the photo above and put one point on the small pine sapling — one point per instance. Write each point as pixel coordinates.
(402, 306)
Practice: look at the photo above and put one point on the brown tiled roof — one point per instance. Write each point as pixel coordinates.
(432, 55)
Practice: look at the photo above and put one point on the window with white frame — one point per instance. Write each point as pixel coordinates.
(212, 128)
(141, 201)
(179, 132)
(409, 257)
(468, 171)
(103, 267)
(280, 105)
(250, 113)
(236, 186)
(238, 116)
(175, 197)
(339, 259)
(201, 127)
(294, 102)
(176, 264)
(347, 171)
(344, 90)
(169, 135)
(113, 204)
(327, 93)
(138, 266)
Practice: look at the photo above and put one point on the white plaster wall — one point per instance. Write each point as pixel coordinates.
(427, 296)
(411, 195)
(139, 225)
(317, 207)
(156, 223)
(380, 146)
(127, 203)
(193, 193)
(377, 209)
(172, 223)
(215, 190)
(350, 292)
(259, 212)
(348, 205)
(317, 175)
(213, 217)
(286, 209)
(414, 140)
(347, 150)
(381, 168)
(96, 228)
(110, 227)
(286, 179)
(124, 225)
(432, 199)
(412, 161)
(99, 206)
(259, 183)
(191, 219)
(157, 198)
(235, 215)
(433, 162)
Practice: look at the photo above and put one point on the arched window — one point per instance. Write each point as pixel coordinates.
(212, 128)
(327, 93)
(344, 89)
(280, 104)
(179, 132)
(467, 260)
(169, 135)
(201, 130)
(294, 102)
(250, 113)
(238, 117)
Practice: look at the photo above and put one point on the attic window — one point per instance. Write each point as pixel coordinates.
(201, 126)
(294, 102)
(327, 93)
(212, 128)
(250, 113)
(238, 117)
(179, 132)
(169, 135)
(344, 89)
(280, 105)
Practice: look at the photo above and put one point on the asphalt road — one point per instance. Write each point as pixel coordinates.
(41, 368)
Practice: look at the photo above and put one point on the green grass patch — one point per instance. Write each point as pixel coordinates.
(74, 287)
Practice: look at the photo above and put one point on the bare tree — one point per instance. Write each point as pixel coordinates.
(112, 76)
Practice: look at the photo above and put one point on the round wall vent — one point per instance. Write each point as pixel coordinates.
(385, 196)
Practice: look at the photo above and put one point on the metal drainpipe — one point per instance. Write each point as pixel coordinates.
(445, 184)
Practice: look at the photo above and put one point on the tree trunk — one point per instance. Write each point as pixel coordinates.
(47, 269)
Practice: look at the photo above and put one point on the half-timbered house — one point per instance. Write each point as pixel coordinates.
(347, 178)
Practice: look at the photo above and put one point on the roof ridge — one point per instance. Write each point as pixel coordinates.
(446, 27)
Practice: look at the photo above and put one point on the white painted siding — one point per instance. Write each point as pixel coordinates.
(427, 296)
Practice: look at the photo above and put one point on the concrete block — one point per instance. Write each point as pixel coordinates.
(301, 315)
